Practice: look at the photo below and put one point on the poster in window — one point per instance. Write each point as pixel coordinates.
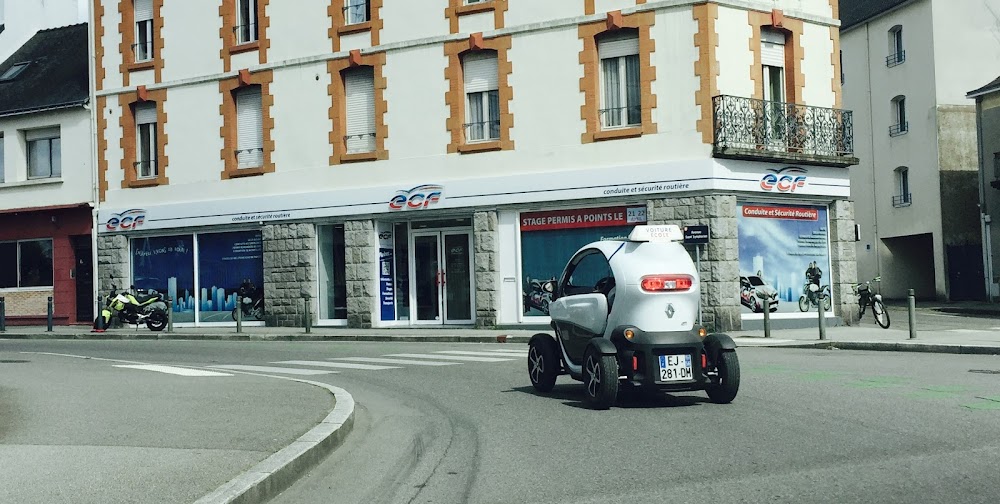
(166, 264)
(778, 246)
(228, 262)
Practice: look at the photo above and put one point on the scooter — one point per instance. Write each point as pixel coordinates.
(135, 306)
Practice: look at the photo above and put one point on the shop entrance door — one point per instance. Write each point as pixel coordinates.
(441, 277)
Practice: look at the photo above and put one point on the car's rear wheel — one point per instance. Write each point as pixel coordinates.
(724, 391)
(600, 379)
(543, 362)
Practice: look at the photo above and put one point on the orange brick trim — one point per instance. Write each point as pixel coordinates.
(127, 122)
(228, 131)
(457, 9)
(589, 83)
(99, 71)
(835, 60)
(707, 66)
(227, 11)
(794, 54)
(338, 108)
(339, 28)
(835, 9)
(455, 96)
(126, 28)
(102, 146)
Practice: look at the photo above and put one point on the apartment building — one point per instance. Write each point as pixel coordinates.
(398, 163)
(987, 100)
(907, 66)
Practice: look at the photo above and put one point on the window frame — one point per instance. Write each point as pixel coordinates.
(14, 70)
(149, 158)
(349, 118)
(18, 265)
(44, 135)
(575, 262)
(258, 150)
(486, 101)
(900, 126)
(248, 20)
(897, 54)
(353, 4)
(903, 195)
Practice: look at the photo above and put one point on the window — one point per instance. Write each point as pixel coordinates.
(357, 11)
(896, 53)
(586, 273)
(145, 139)
(772, 59)
(249, 127)
(12, 72)
(903, 186)
(482, 96)
(841, 67)
(899, 115)
(470, 2)
(143, 46)
(26, 263)
(246, 27)
(44, 153)
(620, 85)
(359, 89)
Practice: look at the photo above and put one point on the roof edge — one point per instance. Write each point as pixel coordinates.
(49, 108)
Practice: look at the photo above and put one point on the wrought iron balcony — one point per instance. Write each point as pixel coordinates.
(895, 59)
(902, 200)
(758, 130)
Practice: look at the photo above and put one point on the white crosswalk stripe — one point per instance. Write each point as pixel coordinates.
(379, 360)
(269, 369)
(510, 352)
(344, 365)
(180, 371)
(468, 358)
(478, 354)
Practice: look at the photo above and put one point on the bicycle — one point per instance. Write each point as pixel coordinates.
(867, 298)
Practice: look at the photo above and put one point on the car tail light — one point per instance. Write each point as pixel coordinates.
(704, 361)
(666, 283)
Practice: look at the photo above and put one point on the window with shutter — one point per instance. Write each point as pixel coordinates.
(621, 99)
(359, 88)
(249, 127)
(143, 46)
(246, 27)
(482, 118)
(145, 138)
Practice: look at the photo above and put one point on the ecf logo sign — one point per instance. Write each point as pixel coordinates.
(419, 197)
(127, 220)
(784, 180)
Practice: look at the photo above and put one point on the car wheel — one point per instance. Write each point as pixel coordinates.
(803, 304)
(723, 392)
(600, 379)
(543, 362)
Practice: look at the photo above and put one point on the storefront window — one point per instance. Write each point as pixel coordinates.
(228, 262)
(166, 264)
(26, 263)
(401, 262)
(549, 240)
(777, 245)
(333, 273)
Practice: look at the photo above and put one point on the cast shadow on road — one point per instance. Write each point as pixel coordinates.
(572, 395)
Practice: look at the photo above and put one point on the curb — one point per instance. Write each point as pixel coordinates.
(891, 347)
(502, 338)
(276, 473)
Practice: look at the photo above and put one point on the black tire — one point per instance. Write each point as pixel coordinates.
(234, 313)
(880, 313)
(728, 365)
(543, 362)
(157, 321)
(803, 304)
(600, 379)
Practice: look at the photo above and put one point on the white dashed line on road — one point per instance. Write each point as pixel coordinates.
(171, 370)
(269, 369)
(379, 360)
(344, 365)
(477, 354)
(467, 358)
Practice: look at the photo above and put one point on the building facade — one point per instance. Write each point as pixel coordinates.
(988, 134)
(46, 178)
(906, 69)
(436, 162)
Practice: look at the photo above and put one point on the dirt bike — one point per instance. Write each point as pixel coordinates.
(867, 298)
(251, 308)
(810, 297)
(134, 306)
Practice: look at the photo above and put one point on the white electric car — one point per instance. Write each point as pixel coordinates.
(625, 316)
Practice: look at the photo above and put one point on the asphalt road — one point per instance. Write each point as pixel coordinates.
(808, 426)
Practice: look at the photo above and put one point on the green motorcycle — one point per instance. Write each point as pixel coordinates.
(136, 306)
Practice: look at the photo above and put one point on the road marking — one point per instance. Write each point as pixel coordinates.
(510, 352)
(171, 370)
(477, 354)
(345, 365)
(269, 369)
(449, 357)
(378, 360)
(967, 331)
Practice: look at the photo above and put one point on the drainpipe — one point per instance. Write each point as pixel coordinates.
(94, 172)
(871, 139)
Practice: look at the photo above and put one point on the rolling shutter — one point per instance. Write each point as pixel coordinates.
(145, 113)
(772, 48)
(249, 128)
(143, 10)
(480, 69)
(618, 45)
(359, 87)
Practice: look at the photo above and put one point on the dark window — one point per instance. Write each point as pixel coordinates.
(585, 274)
(8, 265)
(26, 264)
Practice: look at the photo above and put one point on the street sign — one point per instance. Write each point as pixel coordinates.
(695, 235)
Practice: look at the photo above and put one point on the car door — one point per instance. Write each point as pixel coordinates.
(580, 311)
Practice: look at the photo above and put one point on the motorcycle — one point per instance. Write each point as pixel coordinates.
(539, 294)
(810, 297)
(250, 302)
(135, 306)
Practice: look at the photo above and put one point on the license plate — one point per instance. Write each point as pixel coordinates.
(675, 367)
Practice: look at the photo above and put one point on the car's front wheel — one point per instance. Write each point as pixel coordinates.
(600, 379)
(543, 362)
(724, 391)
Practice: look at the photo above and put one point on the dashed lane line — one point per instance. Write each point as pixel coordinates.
(467, 358)
(380, 360)
(270, 369)
(476, 354)
(171, 370)
(343, 365)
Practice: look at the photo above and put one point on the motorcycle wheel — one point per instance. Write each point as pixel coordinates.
(258, 313)
(803, 304)
(234, 313)
(827, 304)
(157, 321)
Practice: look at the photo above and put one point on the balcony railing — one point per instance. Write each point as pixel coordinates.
(896, 58)
(899, 129)
(903, 200)
(751, 129)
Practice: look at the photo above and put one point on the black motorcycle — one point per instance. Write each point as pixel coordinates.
(134, 306)
(251, 301)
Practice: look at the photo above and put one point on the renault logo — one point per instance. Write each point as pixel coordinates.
(670, 310)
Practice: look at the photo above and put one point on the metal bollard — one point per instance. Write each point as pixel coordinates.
(170, 315)
(3, 314)
(822, 317)
(308, 315)
(49, 327)
(767, 314)
(239, 315)
(912, 307)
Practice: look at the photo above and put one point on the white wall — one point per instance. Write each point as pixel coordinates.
(416, 115)
(112, 60)
(191, 39)
(816, 66)
(193, 134)
(733, 53)
(522, 12)
(307, 19)
(966, 39)
(412, 20)
(23, 18)
(301, 118)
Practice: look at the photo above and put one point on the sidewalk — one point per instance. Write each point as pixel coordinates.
(961, 341)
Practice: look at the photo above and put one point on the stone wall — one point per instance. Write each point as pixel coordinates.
(289, 269)
(720, 270)
(362, 289)
(485, 243)
(112, 264)
(843, 261)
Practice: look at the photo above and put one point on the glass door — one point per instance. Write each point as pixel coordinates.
(442, 280)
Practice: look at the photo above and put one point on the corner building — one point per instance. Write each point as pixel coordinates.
(400, 163)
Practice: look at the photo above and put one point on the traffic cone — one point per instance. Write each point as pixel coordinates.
(99, 324)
